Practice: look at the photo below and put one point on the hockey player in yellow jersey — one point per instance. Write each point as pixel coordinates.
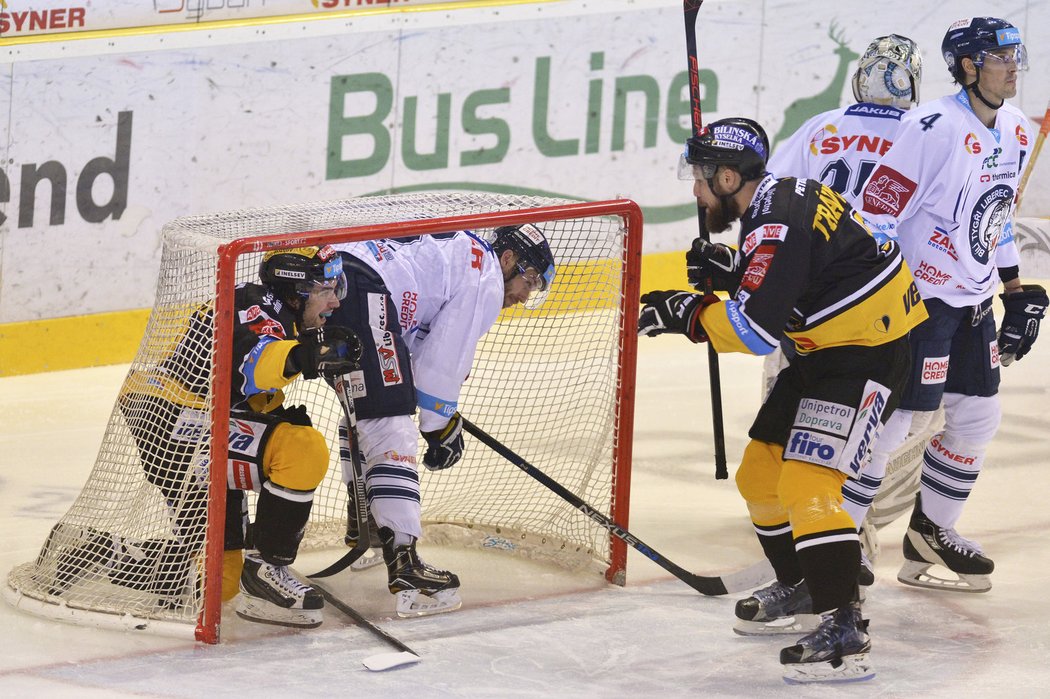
(807, 267)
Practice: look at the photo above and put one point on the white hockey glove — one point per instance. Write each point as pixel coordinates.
(444, 446)
(1020, 327)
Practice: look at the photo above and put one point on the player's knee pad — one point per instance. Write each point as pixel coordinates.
(296, 457)
(757, 478)
(812, 496)
(971, 419)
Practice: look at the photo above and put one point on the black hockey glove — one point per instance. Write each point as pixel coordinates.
(444, 446)
(327, 351)
(674, 312)
(714, 261)
(1020, 327)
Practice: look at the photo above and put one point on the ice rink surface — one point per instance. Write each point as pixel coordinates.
(531, 630)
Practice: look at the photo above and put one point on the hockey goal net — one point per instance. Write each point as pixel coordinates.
(555, 384)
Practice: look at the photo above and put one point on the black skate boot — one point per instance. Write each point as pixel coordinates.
(274, 595)
(77, 562)
(421, 589)
(374, 555)
(926, 545)
(776, 609)
(836, 652)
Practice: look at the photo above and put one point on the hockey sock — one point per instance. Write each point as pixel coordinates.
(831, 571)
(779, 548)
(949, 470)
(280, 520)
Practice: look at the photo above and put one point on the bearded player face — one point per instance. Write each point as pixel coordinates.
(717, 216)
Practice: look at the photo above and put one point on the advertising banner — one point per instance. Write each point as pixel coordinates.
(101, 150)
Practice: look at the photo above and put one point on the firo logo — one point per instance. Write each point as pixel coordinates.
(802, 443)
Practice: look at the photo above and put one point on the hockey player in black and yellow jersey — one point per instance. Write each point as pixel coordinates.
(279, 333)
(806, 267)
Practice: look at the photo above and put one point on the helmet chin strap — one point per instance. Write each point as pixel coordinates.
(972, 87)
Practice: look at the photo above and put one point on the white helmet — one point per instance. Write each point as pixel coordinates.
(889, 72)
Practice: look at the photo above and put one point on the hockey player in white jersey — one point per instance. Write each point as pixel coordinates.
(946, 190)
(420, 306)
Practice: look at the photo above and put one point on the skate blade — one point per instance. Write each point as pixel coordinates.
(371, 559)
(413, 603)
(852, 668)
(916, 574)
(263, 612)
(798, 624)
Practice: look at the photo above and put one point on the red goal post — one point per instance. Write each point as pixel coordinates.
(555, 383)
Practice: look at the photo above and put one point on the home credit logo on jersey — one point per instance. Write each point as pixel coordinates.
(987, 219)
(934, 370)
(888, 192)
(993, 354)
(770, 232)
(931, 275)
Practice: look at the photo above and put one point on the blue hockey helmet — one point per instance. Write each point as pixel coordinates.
(972, 38)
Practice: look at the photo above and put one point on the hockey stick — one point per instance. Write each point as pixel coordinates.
(742, 580)
(381, 661)
(692, 9)
(1044, 129)
(346, 400)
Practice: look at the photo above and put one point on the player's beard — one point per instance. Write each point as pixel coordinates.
(718, 218)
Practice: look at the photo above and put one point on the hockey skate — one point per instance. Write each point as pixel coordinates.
(421, 589)
(927, 545)
(274, 595)
(77, 562)
(374, 555)
(776, 609)
(836, 652)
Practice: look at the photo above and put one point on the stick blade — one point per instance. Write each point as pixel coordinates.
(753, 576)
(389, 661)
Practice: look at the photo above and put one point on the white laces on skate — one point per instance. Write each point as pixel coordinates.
(282, 578)
(960, 544)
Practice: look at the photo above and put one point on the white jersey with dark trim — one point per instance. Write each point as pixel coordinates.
(448, 289)
(839, 147)
(946, 190)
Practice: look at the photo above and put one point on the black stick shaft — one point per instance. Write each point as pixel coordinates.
(692, 9)
(702, 584)
(356, 616)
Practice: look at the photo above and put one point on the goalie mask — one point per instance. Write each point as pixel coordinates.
(889, 72)
(297, 272)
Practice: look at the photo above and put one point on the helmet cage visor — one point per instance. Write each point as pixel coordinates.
(1018, 56)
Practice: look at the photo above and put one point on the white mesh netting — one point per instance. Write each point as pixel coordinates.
(546, 382)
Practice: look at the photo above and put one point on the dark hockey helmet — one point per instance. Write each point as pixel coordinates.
(295, 272)
(971, 38)
(736, 142)
(531, 247)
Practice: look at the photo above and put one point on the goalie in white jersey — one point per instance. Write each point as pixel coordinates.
(945, 190)
(420, 306)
